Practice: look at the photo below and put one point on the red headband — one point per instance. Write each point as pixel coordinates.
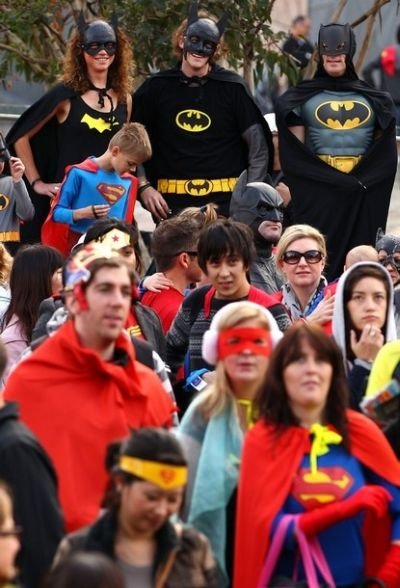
(238, 339)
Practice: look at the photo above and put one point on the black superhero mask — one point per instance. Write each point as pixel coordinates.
(202, 34)
(99, 35)
(255, 203)
(336, 39)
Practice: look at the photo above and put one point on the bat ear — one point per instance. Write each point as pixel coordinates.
(114, 20)
(193, 13)
(82, 24)
(221, 24)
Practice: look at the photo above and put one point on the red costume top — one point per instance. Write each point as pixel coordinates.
(269, 464)
(165, 303)
(77, 403)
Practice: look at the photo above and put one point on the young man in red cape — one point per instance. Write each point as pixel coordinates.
(82, 388)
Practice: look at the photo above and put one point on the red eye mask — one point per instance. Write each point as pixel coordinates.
(238, 339)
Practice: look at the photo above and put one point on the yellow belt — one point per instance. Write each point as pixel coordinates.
(343, 163)
(196, 187)
(9, 236)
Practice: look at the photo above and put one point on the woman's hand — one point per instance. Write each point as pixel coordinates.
(157, 282)
(369, 343)
(284, 193)
(324, 311)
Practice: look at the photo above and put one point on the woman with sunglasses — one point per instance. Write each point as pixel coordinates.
(363, 320)
(78, 117)
(9, 539)
(238, 343)
(301, 257)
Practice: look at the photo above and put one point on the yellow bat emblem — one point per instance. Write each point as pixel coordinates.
(99, 124)
(4, 201)
(343, 115)
(198, 187)
(193, 121)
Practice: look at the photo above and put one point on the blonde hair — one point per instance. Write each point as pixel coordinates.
(296, 232)
(219, 393)
(133, 139)
(5, 265)
(201, 216)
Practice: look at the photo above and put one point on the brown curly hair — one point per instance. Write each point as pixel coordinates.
(178, 33)
(120, 76)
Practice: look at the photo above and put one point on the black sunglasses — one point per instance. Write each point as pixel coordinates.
(95, 47)
(293, 257)
(15, 532)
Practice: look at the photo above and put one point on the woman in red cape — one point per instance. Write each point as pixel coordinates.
(308, 455)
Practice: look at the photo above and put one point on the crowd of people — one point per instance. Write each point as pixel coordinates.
(229, 416)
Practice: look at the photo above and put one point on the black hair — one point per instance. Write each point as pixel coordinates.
(103, 226)
(225, 237)
(85, 570)
(30, 283)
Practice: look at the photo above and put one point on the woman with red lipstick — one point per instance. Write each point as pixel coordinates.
(238, 343)
(363, 320)
(149, 479)
(329, 467)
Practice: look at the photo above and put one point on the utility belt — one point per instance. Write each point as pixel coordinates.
(343, 163)
(196, 187)
(9, 236)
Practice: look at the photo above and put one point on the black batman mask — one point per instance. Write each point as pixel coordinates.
(336, 39)
(99, 35)
(202, 38)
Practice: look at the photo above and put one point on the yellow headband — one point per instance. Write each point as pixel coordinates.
(166, 476)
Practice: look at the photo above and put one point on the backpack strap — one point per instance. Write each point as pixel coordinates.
(143, 352)
(197, 298)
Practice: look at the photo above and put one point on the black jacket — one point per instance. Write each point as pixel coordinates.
(28, 471)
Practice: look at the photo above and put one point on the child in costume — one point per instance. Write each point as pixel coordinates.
(15, 204)
(98, 187)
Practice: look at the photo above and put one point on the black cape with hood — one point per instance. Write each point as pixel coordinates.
(347, 208)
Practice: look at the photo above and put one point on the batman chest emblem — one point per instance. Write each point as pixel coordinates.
(111, 192)
(4, 201)
(321, 487)
(98, 124)
(193, 121)
(343, 114)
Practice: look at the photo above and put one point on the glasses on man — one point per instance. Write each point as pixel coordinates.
(293, 257)
(14, 532)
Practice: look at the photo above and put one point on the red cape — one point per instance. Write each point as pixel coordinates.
(268, 467)
(77, 404)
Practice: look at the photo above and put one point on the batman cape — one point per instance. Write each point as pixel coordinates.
(44, 149)
(347, 208)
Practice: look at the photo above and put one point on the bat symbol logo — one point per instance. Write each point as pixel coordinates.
(193, 121)
(343, 115)
(4, 201)
(99, 124)
(198, 187)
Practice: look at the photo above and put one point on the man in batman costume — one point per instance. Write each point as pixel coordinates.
(338, 149)
(204, 127)
(76, 118)
(260, 206)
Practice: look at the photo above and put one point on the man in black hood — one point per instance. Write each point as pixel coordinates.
(338, 149)
(260, 206)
